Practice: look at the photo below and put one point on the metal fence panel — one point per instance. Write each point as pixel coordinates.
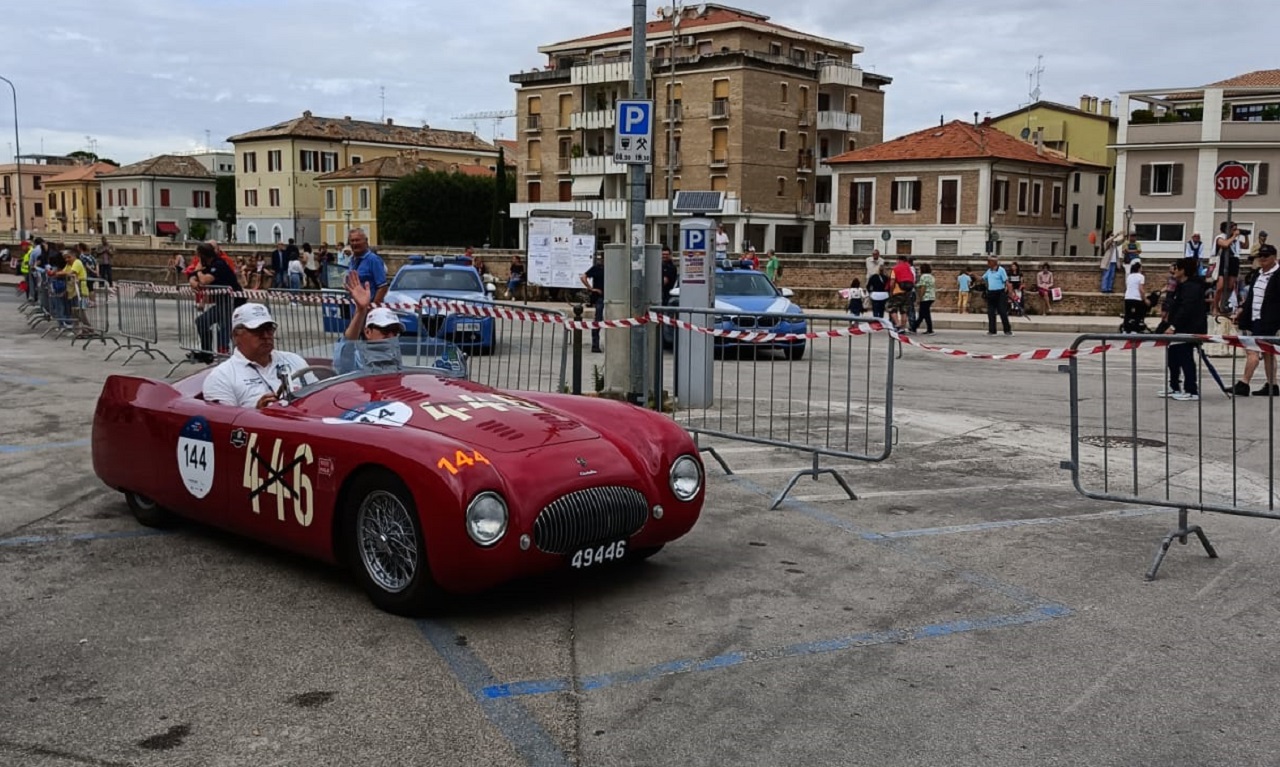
(508, 346)
(1130, 443)
(826, 389)
(136, 320)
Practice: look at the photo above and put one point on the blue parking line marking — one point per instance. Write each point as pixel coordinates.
(532, 687)
(22, 380)
(45, 446)
(509, 716)
(981, 526)
(24, 540)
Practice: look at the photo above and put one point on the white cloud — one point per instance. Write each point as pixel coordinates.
(139, 73)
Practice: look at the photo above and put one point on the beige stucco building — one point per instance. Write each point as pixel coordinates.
(278, 196)
(1169, 145)
(73, 200)
(160, 196)
(750, 107)
(35, 170)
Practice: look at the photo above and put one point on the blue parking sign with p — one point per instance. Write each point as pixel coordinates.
(633, 132)
(694, 239)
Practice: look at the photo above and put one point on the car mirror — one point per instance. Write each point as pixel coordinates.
(787, 293)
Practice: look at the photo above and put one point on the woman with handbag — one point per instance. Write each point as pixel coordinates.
(1044, 285)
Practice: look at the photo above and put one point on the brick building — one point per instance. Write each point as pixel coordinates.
(751, 108)
(949, 190)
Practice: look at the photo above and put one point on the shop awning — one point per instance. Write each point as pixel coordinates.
(588, 186)
(166, 228)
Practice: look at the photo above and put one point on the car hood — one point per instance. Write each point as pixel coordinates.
(408, 297)
(755, 304)
(458, 409)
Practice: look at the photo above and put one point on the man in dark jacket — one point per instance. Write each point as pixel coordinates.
(280, 265)
(1260, 316)
(1188, 314)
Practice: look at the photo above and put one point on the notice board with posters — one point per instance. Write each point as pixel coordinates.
(560, 249)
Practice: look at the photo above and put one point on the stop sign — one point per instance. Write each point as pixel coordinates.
(1231, 181)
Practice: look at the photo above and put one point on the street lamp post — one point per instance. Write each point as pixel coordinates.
(1128, 220)
(675, 12)
(17, 154)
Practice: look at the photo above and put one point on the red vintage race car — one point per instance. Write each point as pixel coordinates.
(418, 481)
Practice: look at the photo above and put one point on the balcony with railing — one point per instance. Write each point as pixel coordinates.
(675, 111)
(822, 211)
(720, 109)
(847, 122)
(718, 158)
(804, 161)
(595, 119)
(836, 72)
(533, 169)
(596, 165)
(197, 214)
(532, 123)
(563, 164)
(604, 72)
(675, 161)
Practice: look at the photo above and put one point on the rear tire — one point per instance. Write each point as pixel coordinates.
(147, 511)
(382, 543)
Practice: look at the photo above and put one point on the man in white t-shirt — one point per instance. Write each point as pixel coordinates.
(1135, 306)
(722, 244)
(256, 374)
(874, 262)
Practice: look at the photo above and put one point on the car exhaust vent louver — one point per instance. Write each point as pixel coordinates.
(589, 517)
(500, 429)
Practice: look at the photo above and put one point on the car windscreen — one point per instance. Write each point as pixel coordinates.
(437, 279)
(744, 284)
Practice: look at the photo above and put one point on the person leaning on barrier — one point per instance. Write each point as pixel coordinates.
(256, 374)
(212, 271)
(1259, 315)
(593, 280)
(372, 338)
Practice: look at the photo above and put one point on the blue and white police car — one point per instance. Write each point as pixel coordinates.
(764, 307)
(450, 279)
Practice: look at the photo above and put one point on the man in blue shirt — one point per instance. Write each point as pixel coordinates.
(368, 265)
(997, 288)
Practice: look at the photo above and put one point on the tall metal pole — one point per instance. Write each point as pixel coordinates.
(17, 154)
(674, 11)
(635, 215)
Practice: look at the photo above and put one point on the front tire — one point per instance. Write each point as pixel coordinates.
(795, 353)
(147, 511)
(383, 545)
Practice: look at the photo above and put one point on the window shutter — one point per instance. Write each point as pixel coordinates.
(1262, 178)
(1175, 184)
(1144, 181)
(915, 195)
(893, 196)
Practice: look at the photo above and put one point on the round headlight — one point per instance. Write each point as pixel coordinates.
(686, 478)
(487, 518)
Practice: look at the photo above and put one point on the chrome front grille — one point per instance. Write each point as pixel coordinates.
(588, 517)
(749, 321)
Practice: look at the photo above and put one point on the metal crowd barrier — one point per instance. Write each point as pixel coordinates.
(95, 315)
(204, 325)
(1131, 444)
(41, 302)
(308, 323)
(829, 394)
(136, 320)
(508, 345)
(57, 305)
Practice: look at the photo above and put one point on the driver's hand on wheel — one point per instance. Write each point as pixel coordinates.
(266, 399)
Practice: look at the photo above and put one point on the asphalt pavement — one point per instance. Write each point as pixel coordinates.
(969, 608)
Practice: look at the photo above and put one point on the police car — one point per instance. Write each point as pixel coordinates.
(764, 308)
(450, 279)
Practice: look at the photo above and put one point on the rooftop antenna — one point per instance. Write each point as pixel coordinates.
(206, 139)
(1033, 90)
(382, 94)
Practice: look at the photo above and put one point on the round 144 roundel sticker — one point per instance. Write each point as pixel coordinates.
(195, 457)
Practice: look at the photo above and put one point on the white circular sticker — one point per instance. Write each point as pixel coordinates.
(195, 457)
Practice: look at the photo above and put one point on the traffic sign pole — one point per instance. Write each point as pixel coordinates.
(637, 354)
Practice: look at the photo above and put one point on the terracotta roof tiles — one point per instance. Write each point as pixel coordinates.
(168, 165)
(399, 166)
(956, 140)
(345, 129)
(82, 173)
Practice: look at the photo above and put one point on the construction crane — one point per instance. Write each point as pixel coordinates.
(497, 115)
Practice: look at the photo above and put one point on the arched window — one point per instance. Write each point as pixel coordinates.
(251, 233)
(277, 233)
(782, 139)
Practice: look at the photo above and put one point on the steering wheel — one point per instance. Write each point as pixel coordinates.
(321, 372)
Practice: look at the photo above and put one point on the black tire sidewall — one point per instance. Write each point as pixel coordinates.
(422, 592)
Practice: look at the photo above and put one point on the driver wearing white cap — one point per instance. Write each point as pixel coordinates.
(256, 373)
(372, 339)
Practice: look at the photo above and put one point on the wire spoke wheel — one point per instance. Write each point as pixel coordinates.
(387, 541)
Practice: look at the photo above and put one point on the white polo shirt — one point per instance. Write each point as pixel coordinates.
(241, 382)
(1260, 286)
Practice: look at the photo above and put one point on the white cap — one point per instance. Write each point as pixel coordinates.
(251, 316)
(383, 317)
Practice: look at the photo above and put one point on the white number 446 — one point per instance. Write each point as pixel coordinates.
(589, 557)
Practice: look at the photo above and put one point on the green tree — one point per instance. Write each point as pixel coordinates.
(198, 230)
(497, 228)
(436, 208)
(225, 201)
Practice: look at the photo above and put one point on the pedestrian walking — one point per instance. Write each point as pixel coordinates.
(964, 283)
(997, 282)
(1188, 314)
(928, 291)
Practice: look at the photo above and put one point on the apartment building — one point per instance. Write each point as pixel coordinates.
(73, 199)
(1170, 143)
(161, 196)
(1085, 135)
(749, 107)
(277, 194)
(950, 190)
(31, 173)
(352, 195)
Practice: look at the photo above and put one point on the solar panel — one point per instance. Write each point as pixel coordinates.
(698, 202)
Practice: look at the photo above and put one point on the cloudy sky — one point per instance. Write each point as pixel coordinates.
(143, 77)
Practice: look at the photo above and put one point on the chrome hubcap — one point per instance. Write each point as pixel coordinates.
(388, 546)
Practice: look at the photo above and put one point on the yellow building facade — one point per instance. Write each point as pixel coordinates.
(278, 195)
(73, 200)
